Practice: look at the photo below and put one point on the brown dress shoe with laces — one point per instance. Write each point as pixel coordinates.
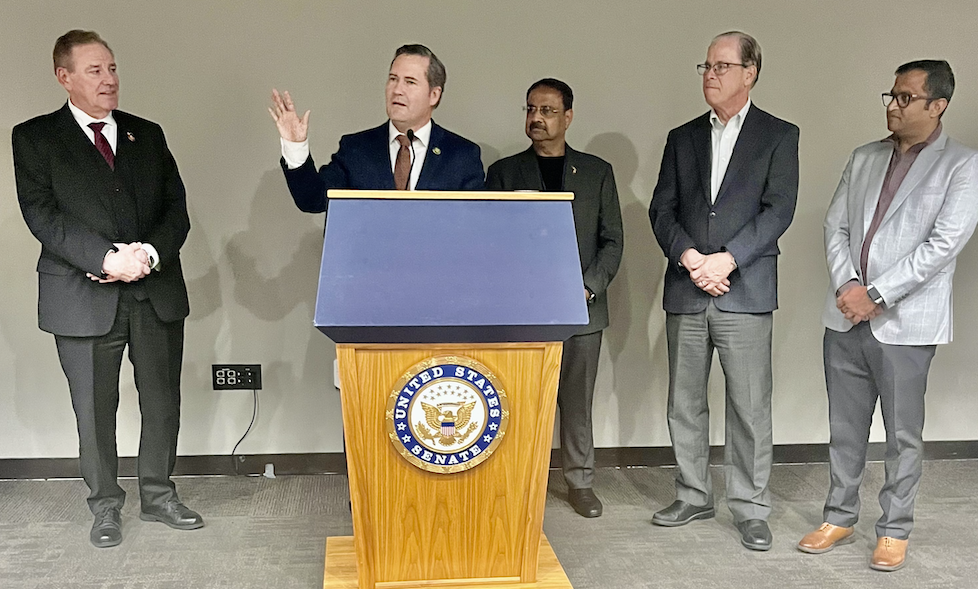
(890, 554)
(825, 538)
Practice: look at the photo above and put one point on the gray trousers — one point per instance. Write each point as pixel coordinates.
(743, 342)
(858, 370)
(578, 370)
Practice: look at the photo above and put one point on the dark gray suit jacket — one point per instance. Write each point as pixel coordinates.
(597, 216)
(68, 196)
(754, 207)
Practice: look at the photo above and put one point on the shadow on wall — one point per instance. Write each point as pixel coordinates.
(632, 295)
(269, 269)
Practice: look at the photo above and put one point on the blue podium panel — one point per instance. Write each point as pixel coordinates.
(450, 271)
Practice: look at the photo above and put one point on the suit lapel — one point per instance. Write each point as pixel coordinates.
(744, 149)
(703, 148)
(571, 178)
(379, 152)
(432, 158)
(78, 144)
(877, 173)
(529, 171)
(920, 168)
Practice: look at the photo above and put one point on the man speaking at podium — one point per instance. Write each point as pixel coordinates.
(408, 152)
(551, 165)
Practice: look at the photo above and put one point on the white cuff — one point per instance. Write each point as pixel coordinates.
(153, 255)
(295, 153)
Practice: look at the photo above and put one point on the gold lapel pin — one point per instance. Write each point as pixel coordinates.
(436, 151)
(573, 170)
(130, 136)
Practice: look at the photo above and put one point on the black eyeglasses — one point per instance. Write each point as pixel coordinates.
(546, 111)
(720, 67)
(903, 99)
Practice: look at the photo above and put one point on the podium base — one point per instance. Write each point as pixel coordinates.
(341, 571)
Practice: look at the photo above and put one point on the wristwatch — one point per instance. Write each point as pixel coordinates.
(874, 294)
(590, 295)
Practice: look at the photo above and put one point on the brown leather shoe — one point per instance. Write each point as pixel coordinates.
(825, 538)
(890, 554)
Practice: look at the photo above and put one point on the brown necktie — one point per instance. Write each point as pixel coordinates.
(102, 144)
(402, 165)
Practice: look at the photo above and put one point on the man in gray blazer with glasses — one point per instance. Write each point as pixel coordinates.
(904, 209)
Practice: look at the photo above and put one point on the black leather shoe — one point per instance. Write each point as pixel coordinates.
(174, 514)
(107, 529)
(584, 502)
(681, 513)
(755, 534)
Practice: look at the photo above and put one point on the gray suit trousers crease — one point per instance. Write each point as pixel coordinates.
(575, 395)
(92, 366)
(743, 343)
(858, 371)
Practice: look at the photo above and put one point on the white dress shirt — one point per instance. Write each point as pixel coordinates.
(724, 139)
(295, 153)
(111, 133)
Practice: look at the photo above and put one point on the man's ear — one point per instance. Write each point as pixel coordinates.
(62, 74)
(434, 97)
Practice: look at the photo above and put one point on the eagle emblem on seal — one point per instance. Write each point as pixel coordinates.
(447, 422)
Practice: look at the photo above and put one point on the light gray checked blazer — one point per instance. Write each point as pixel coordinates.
(912, 257)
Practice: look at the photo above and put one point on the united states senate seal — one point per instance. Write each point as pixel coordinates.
(447, 414)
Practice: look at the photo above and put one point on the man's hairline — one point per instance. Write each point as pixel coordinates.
(71, 56)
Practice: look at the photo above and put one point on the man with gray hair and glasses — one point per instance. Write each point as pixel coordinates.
(726, 193)
(904, 209)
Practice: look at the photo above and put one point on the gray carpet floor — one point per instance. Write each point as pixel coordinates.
(270, 533)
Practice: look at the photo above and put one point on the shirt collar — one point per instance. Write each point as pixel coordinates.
(737, 119)
(423, 134)
(919, 146)
(84, 119)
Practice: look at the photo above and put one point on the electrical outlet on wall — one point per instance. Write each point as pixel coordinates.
(236, 377)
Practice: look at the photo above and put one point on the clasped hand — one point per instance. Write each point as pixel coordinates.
(709, 272)
(856, 305)
(128, 264)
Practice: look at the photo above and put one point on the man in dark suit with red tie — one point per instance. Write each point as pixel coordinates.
(408, 152)
(101, 192)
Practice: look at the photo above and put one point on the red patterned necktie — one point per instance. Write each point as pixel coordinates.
(402, 165)
(102, 144)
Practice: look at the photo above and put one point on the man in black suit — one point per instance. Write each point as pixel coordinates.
(101, 192)
(407, 152)
(550, 164)
(726, 192)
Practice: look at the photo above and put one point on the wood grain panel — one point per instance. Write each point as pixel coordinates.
(341, 572)
(412, 525)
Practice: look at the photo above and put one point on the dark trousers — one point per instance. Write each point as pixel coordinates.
(92, 366)
(578, 370)
(858, 371)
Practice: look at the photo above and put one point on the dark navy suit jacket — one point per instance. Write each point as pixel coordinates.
(754, 206)
(363, 163)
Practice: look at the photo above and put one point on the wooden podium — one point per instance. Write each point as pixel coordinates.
(448, 310)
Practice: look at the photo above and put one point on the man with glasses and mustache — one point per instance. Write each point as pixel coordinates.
(726, 193)
(904, 209)
(550, 164)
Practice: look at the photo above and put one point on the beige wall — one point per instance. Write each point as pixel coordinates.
(204, 71)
